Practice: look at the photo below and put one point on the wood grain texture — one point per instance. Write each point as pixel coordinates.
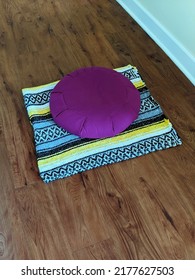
(137, 209)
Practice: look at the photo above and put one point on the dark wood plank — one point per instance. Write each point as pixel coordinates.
(104, 250)
(60, 218)
(12, 238)
(137, 209)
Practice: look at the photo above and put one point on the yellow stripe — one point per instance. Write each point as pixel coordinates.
(139, 84)
(124, 133)
(95, 145)
(124, 67)
(33, 112)
(41, 87)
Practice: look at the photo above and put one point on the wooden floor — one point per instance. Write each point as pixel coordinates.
(137, 209)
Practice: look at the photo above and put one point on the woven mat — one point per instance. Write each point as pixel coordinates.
(61, 154)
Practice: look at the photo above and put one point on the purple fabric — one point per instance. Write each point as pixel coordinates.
(94, 102)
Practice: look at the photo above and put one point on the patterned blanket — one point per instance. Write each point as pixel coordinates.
(61, 154)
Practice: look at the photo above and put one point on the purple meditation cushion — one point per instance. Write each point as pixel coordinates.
(94, 102)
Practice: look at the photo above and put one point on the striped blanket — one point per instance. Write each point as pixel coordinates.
(61, 154)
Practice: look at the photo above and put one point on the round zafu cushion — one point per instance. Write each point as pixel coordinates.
(94, 102)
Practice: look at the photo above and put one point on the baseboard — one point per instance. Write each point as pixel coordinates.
(172, 47)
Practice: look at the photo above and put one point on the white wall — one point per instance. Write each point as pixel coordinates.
(177, 16)
(171, 24)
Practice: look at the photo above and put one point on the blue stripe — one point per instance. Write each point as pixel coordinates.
(55, 143)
